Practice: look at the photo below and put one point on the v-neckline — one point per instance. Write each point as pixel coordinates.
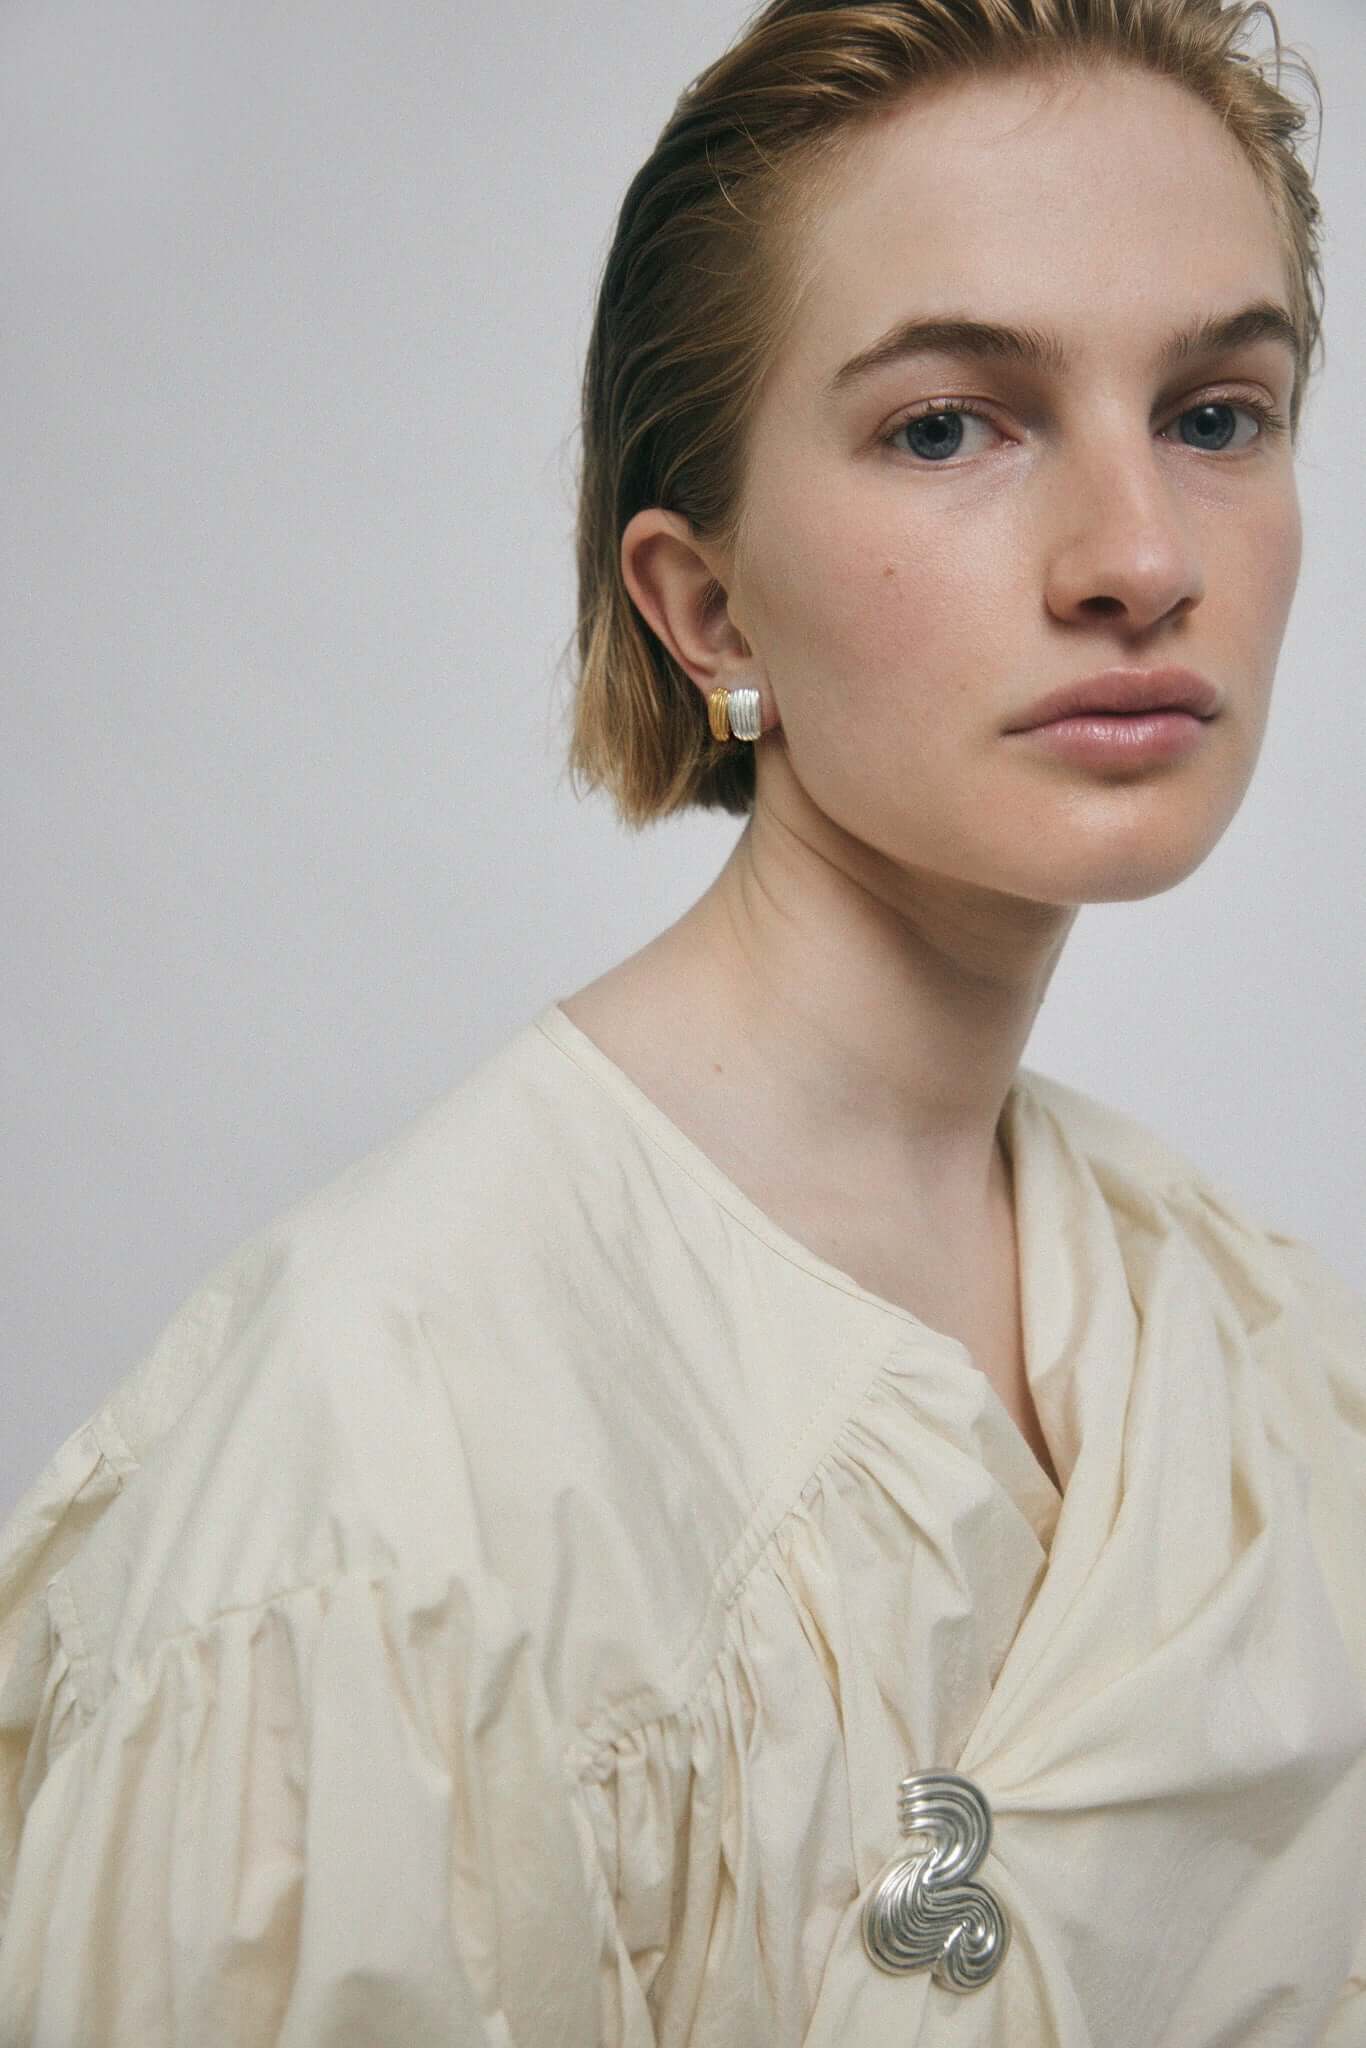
(559, 1027)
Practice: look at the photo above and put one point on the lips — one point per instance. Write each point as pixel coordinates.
(1125, 692)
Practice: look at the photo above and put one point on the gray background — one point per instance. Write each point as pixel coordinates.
(295, 305)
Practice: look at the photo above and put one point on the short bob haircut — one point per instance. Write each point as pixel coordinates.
(705, 272)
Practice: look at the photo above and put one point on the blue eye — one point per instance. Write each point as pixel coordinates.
(1212, 409)
(937, 425)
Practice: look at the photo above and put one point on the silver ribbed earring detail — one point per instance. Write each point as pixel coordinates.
(734, 714)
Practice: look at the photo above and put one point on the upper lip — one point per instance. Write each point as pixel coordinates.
(1125, 690)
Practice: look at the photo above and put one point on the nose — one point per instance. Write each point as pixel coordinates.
(1124, 543)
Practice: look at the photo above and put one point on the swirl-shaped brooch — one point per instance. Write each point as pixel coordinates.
(924, 1913)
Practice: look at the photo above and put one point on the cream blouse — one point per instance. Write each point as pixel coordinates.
(505, 1605)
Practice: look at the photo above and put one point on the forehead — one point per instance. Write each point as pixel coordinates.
(1104, 205)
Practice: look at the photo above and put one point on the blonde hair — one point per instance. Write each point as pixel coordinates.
(705, 273)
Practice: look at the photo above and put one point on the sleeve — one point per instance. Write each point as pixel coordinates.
(339, 1816)
(1334, 1327)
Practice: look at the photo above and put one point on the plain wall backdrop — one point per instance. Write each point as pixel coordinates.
(296, 298)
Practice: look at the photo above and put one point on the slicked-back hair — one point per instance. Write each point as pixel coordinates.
(707, 268)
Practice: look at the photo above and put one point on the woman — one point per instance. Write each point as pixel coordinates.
(758, 1519)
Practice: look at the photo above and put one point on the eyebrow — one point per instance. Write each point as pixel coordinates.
(1042, 349)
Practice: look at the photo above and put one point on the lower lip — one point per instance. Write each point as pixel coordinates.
(1153, 736)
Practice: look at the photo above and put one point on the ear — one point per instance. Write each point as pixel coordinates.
(677, 590)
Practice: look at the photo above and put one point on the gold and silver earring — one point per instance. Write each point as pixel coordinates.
(734, 714)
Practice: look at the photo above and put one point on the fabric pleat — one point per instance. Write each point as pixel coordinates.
(504, 1605)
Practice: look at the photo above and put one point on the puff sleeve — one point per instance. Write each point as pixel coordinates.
(340, 1815)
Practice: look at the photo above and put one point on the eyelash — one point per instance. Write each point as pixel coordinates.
(1272, 422)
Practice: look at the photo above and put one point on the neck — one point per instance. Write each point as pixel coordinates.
(880, 1026)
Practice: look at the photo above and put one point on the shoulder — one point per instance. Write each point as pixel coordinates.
(480, 1350)
(343, 1250)
(1120, 1148)
(1110, 1138)
(255, 1606)
(304, 1347)
(1299, 1317)
(309, 1350)
(1298, 1314)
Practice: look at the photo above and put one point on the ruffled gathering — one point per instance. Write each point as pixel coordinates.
(343, 1809)
(355, 1808)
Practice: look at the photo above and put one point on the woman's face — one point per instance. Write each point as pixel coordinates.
(910, 591)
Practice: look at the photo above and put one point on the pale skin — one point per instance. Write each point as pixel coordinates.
(838, 1019)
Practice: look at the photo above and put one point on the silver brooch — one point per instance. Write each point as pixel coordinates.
(924, 1914)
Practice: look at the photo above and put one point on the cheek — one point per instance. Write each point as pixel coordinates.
(1258, 578)
(1287, 554)
(879, 651)
(841, 595)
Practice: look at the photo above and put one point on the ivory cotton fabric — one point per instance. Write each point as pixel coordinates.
(504, 1604)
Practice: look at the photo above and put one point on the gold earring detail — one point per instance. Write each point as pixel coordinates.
(734, 714)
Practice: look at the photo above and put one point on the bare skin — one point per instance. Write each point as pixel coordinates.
(838, 1019)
